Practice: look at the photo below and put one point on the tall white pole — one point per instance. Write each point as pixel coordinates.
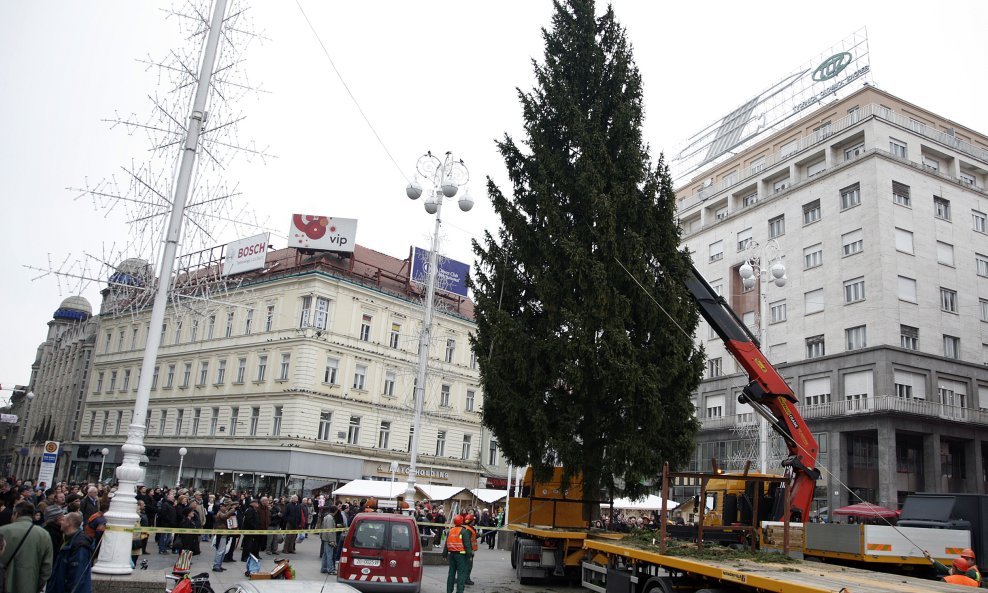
(114, 556)
(425, 339)
(762, 421)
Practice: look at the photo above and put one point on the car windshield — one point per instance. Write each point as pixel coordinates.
(401, 537)
(369, 535)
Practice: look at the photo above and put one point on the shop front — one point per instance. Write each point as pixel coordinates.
(282, 473)
(161, 466)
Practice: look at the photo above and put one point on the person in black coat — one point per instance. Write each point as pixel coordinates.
(252, 520)
(167, 517)
(189, 541)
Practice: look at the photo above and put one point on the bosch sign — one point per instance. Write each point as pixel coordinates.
(246, 254)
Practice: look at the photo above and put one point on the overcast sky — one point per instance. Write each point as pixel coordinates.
(430, 75)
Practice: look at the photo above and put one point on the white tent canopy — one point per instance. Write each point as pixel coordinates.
(436, 492)
(372, 489)
(649, 503)
(489, 495)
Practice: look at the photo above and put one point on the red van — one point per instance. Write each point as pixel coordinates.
(382, 553)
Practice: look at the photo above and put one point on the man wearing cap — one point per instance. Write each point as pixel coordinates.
(53, 525)
(223, 514)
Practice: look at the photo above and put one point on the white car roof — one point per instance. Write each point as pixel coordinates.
(280, 586)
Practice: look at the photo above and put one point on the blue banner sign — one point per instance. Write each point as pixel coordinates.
(452, 276)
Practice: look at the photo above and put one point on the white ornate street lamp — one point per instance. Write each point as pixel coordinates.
(181, 460)
(443, 178)
(764, 263)
(102, 463)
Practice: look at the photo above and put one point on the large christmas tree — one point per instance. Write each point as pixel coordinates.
(583, 323)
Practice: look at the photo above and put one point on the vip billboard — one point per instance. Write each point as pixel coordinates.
(323, 233)
(452, 275)
(246, 254)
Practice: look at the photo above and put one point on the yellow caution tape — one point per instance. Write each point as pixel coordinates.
(141, 529)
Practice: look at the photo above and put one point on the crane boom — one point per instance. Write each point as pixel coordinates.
(767, 392)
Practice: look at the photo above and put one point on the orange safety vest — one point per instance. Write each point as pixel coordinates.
(454, 541)
(473, 537)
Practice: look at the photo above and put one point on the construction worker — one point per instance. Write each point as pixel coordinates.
(470, 521)
(963, 571)
(459, 550)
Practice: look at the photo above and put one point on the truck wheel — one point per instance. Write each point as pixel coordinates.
(514, 553)
(658, 585)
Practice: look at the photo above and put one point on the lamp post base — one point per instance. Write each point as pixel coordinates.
(115, 547)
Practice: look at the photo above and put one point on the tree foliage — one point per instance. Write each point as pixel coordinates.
(578, 363)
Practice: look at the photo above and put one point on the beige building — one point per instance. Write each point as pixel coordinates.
(300, 378)
(880, 212)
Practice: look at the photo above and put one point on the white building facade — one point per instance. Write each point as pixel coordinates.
(879, 210)
(299, 379)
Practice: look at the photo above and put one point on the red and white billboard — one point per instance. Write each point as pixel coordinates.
(246, 254)
(323, 233)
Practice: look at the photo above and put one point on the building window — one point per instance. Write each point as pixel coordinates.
(492, 453)
(757, 165)
(466, 447)
(951, 346)
(92, 422)
(931, 163)
(813, 256)
(306, 314)
(909, 337)
(444, 395)
(903, 240)
(241, 369)
(210, 326)
(714, 368)
(214, 420)
(854, 290)
(815, 347)
(853, 242)
(109, 340)
(716, 250)
(850, 196)
(777, 226)
(203, 373)
(980, 221)
(353, 431)
(389, 384)
(441, 443)
(748, 318)
(255, 415)
(967, 178)
(811, 212)
(164, 330)
(744, 239)
(450, 349)
(248, 321)
(325, 423)
(948, 300)
(900, 194)
(898, 148)
(269, 319)
(907, 289)
(170, 377)
(777, 311)
(119, 422)
(365, 327)
(276, 421)
(473, 360)
(221, 372)
(161, 423)
(903, 391)
(395, 339)
(471, 399)
(196, 416)
(359, 376)
(816, 168)
(187, 374)
(981, 261)
(133, 338)
(749, 200)
(856, 337)
(179, 421)
(720, 213)
(789, 147)
(322, 313)
(120, 341)
(113, 381)
(941, 208)
(384, 435)
(229, 324)
(99, 382)
(234, 420)
(813, 301)
(178, 332)
(854, 151)
(126, 380)
(332, 366)
(945, 253)
(286, 360)
(262, 367)
(194, 331)
(780, 185)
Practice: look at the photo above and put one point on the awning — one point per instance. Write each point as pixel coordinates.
(489, 495)
(649, 503)
(435, 492)
(372, 489)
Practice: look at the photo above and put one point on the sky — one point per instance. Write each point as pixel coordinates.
(439, 75)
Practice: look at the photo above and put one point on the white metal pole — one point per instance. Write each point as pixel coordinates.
(425, 339)
(178, 479)
(762, 421)
(114, 556)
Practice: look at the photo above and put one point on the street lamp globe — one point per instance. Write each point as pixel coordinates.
(105, 451)
(414, 190)
(30, 395)
(466, 201)
(431, 205)
(449, 187)
(183, 451)
(746, 271)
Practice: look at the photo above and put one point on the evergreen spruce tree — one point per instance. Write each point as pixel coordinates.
(578, 363)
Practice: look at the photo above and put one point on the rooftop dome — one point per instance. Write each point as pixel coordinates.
(74, 308)
(132, 272)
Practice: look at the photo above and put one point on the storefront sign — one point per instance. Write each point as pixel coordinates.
(496, 483)
(422, 472)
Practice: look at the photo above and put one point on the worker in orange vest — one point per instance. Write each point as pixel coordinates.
(964, 569)
(459, 551)
(469, 521)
